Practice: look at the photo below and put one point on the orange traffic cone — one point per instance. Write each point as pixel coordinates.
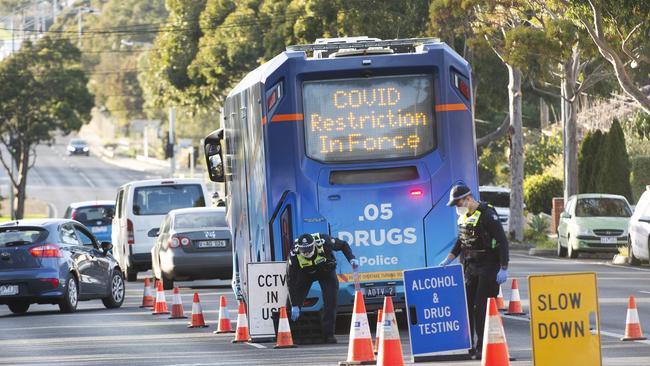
(284, 332)
(514, 305)
(390, 346)
(197, 313)
(177, 306)
(360, 346)
(495, 348)
(379, 320)
(160, 306)
(501, 305)
(242, 334)
(155, 288)
(632, 324)
(147, 298)
(224, 319)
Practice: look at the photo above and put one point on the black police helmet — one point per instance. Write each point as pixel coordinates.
(457, 192)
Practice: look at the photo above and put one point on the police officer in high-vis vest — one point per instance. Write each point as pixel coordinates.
(483, 250)
(312, 259)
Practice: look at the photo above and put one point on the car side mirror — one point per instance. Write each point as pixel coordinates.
(214, 156)
(106, 246)
(153, 233)
(565, 215)
(645, 219)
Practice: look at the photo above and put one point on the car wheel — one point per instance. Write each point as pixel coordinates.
(561, 251)
(70, 296)
(572, 252)
(116, 287)
(167, 282)
(131, 275)
(633, 259)
(19, 307)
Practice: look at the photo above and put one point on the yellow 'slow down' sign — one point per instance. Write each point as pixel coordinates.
(564, 319)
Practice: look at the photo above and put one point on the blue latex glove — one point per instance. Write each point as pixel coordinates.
(502, 276)
(355, 264)
(445, 262)
(295, 313)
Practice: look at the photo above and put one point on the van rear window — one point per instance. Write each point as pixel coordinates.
(159, 200)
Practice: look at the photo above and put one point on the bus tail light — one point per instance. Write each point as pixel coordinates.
(45, 250)
(130, 239)
(417, 192)
(462, 86)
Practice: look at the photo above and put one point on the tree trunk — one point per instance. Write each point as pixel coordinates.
(569, 119)
(21, 194)
(516, 155)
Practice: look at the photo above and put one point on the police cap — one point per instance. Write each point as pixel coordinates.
(457, 192)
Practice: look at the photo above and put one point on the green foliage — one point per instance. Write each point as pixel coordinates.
(614, 177)
(539, 191)
(640, 176)
(493, 164)
(537, 229)
(590, 162)
(541, 153)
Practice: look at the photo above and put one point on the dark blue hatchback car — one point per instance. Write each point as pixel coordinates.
(56, 261)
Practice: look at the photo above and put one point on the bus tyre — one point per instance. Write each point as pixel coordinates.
(130, 274)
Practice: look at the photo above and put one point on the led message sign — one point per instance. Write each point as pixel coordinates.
(369, 119)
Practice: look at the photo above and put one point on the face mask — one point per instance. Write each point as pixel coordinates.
(461, 211)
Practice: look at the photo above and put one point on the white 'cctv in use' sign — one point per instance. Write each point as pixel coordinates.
(267, 292)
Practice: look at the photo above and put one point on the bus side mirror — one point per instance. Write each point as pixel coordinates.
(214, 156)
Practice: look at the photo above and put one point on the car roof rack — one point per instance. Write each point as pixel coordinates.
(360, 43)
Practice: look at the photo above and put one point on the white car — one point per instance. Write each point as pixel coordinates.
(639, 230)
(141, 206)
(499, 197)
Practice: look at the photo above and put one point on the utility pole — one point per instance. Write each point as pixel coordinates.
(172, 120)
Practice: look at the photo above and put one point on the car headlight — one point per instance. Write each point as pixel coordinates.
(584, 231)
(85, 149)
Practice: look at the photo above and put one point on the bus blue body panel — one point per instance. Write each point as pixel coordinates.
(391, 225)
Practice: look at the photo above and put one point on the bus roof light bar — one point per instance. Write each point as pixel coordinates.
(362, 44)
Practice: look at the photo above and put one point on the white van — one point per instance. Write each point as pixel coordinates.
(499, 197)
(140, 207)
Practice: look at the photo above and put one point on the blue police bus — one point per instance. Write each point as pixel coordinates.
(359, 138)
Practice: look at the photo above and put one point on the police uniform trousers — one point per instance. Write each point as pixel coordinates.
(480, 284)
(329, 285)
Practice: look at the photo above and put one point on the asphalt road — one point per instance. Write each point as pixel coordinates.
(132, 336)
(59, 179)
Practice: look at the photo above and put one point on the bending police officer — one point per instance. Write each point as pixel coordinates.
(483, 250)
(312, 259)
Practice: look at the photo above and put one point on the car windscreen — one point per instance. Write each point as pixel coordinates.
(78, 142)
(94, 215)
(496, 199)
(602, 207)
(16, 236)
(159, 200)
(376, 118)
(199, 220)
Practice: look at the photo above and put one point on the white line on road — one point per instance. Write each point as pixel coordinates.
(256, 345)
(603, 332)
(85, 177)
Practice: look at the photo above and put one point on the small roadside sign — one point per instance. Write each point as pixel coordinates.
(564, 319)
(437, 312)
(267, 292)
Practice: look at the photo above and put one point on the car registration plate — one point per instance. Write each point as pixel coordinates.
(8, 290)
(380, 291)
(99, 229)
(608, 240)
(211, 243)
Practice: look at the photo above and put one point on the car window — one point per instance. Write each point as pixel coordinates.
(16, 236)
(68, 235)
(94, 215)
(602, 207)
(68, 212)
(85, 238)
(199, 220)
(496, 199)
(159, 200)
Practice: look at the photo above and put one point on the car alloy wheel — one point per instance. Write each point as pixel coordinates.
(117, 288)
(71, 296)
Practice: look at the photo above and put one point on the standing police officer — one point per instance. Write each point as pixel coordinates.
(312, 259)
(483, 250)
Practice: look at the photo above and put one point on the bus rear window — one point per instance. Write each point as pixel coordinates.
(159, 200)
(369, 119)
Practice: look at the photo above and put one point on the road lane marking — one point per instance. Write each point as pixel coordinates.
(256, 345)
(85, 177)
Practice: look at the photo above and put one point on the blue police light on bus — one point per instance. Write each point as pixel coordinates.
(361, 140)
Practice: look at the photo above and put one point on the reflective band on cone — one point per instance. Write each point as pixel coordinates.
(495, 348)
(197, 313)
(284, 339)
(224, 319)
(501, 305)
(514, 305)
(147, 297)
(632, 324)
(241, 334)
(390, 346)
(360, 345)
(160, 307)
(379, 321)
(177, 306)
